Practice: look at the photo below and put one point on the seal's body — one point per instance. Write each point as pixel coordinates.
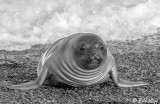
(78, 60)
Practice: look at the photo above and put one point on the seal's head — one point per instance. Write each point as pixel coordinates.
(90, 51)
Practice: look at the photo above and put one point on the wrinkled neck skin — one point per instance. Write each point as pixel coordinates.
(73, 74)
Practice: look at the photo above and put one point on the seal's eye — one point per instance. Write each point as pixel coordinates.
(101, 47)
(82, 48)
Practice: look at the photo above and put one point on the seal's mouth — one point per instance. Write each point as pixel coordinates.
(89, 63)
(95, 62)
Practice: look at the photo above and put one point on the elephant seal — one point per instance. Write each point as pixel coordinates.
(81, 59)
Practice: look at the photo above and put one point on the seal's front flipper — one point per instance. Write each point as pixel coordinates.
(123, 83)
(34, 84)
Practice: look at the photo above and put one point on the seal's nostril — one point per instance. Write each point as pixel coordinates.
(99, 59)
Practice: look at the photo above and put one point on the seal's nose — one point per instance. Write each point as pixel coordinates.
(96, 56)
(99, 60)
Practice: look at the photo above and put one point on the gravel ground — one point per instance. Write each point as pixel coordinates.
(137, 60)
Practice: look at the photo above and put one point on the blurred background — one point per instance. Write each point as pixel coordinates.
(27, 22)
